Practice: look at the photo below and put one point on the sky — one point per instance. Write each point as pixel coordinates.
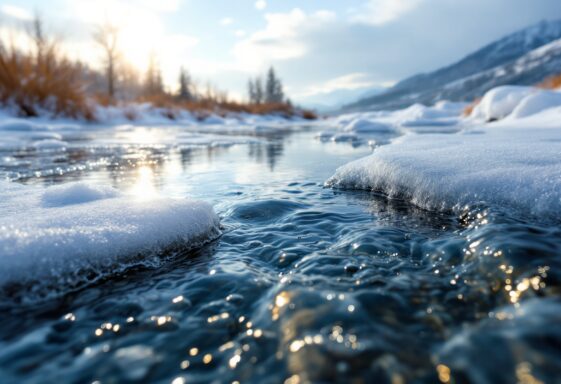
(319, 47)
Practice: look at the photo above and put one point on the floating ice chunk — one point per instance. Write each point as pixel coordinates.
(429, 123)
(500, 102)
(324, 135)
(186, 140)
(20, 125)
(69, 235)
(344, 137)
(213, 119)
(536, 103)
(367, 126)
(50, 144)
(45, 136)
(518, 167)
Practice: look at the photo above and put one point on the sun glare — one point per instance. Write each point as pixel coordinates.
(141, 32)
(143, 188)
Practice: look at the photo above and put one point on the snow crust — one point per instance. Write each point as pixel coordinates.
(515, 162)
(150, 126)
(75, 193)
(66, 234)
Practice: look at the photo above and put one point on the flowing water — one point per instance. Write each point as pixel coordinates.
(306, 284)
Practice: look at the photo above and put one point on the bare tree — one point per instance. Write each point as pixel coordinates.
(37, 33)
(154, 83)
(107, 36)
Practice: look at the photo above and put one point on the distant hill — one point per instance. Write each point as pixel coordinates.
(334, 100)
(525, 57)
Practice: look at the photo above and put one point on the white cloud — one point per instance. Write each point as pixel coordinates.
(260, 4)
(227, 21)
(350, 81)
(280, 40)
(240, 33)
(162, 5)
(378, 12)
(16, 12)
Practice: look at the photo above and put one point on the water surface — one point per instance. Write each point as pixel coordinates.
(306, 284)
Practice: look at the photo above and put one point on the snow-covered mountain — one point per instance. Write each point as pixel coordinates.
(525, 57)
(334, 100)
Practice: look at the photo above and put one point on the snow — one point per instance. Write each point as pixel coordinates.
(442, 114)
(345, 137)
(76, 193)
(515, 162)
(515, 102)
(535, 103)
(500, 102)
(20, 125)
(58, 136)
(442, 117)
(50, 144)
(324, 135)
(62, 234)
(367, 126)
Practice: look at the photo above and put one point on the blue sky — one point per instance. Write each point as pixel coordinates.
(318, 46)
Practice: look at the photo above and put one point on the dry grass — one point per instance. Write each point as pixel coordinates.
(469, 109)
(46, 82)
(553, 82)
(202, 108)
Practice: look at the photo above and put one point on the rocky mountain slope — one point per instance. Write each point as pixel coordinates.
(525, 57)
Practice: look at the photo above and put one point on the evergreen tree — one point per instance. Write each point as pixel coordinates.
(251, 92)
(259, 93)
(185, 85)
(279, 92)
(271, 93)
(273, 88)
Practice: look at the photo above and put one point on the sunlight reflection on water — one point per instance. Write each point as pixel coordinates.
(305, 285)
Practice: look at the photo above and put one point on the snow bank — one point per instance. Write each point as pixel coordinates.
(500, 102)
(443, 117)
(535, 103)
(367, 126)
(515, 102)
(67, 235)
(518, 166)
